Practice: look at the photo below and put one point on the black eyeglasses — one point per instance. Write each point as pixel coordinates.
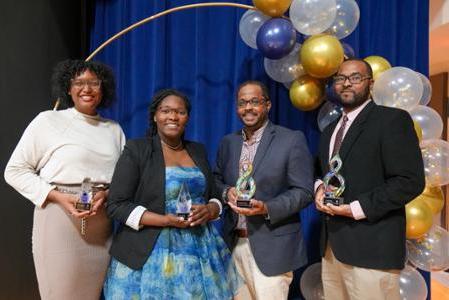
(167, 111)
(80, 84)
(254, 102)
(354, 78)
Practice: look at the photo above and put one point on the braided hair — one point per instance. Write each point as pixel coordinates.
(156, 102)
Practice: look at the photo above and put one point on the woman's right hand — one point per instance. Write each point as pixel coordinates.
(175, 221)
(67, 202)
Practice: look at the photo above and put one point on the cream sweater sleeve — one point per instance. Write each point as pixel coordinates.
(22, 170)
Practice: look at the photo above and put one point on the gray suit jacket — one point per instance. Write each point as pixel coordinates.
(283, 172)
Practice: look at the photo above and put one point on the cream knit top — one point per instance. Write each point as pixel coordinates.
(63, 147)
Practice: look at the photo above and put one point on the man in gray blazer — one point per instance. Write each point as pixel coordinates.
(266, 239)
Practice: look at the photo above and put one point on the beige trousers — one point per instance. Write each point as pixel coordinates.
(257, 286)
(342, 281)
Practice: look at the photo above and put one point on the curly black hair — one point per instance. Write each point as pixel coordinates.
(68, 69)
(155, 103)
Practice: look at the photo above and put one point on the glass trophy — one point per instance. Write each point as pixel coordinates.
(85, 196)
(245, 186)
(184, 202)
(334, 183)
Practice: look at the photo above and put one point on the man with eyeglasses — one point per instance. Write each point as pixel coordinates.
(363, 240)
(266, 239)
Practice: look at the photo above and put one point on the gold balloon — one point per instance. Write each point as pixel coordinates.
(321, 55)
(378, 64)
(433, 197)
(273, 8)
(307, 93)
(419, 219)
(418, 130)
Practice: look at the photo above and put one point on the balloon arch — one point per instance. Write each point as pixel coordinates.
(306, 71)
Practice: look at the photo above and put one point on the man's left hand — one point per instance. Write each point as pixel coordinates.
(257, 208)
(341, 210)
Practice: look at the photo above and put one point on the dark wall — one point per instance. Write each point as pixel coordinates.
(34, 35)
(439, 102)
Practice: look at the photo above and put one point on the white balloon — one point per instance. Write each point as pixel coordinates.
(250, 23)
(285, 69)
(312, 16)
(328, 113)
(435, 155)
(412, 285)
(427, 90)
(429, 121)
(288, 85)
(311, 284)
(430, 252)
(398, 87)
(346, 20)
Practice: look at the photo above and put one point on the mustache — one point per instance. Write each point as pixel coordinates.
(347, 90)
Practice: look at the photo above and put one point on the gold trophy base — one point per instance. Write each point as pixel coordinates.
(83, 206)
(244, 203)
(337, 201)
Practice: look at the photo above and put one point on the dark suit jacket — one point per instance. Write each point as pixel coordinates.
(383, 169)
(139, 179)
(283, 173)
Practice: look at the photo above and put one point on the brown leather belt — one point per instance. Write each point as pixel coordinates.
(241, 233)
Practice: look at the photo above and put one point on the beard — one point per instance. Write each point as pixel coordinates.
(357, 100)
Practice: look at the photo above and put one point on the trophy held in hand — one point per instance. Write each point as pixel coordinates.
(245, 186)
(334, 183)
(184, 203)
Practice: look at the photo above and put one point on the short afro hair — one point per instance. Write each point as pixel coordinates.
(260, 84)
(67, 70)
(369, 70)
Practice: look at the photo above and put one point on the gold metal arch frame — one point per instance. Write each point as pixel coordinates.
(158, 15)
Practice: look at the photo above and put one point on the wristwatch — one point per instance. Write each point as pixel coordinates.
(224, 195)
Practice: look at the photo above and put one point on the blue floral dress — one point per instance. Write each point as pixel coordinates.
(191, 263)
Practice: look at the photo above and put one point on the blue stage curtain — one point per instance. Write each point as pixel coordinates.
(199, 52)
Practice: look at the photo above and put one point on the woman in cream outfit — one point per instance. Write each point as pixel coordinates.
(57, 151)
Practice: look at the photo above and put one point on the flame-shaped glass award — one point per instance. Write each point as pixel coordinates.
(184, 202)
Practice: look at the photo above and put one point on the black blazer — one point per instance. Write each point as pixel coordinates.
(139, 179)
(383, 170)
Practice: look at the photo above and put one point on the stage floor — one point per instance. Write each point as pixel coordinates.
(440, 285)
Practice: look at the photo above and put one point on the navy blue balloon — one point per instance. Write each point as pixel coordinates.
(331, 96)
(276, 38)
(349, 52)
(300, 38)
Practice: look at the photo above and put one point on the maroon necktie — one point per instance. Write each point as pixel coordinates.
(339, 136)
